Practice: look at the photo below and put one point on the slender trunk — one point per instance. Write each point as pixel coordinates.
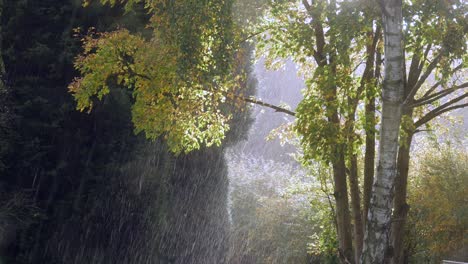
(399, 201)
(356, 207)
(378, 226)
(343, 219)
(369, 83)
(369, 157)
(354, 188)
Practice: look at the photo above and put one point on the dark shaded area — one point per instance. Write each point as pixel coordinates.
(82, 188)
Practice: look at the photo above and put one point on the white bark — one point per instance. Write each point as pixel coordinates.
(376, 239)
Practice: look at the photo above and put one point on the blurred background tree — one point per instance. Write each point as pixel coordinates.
(438, 197)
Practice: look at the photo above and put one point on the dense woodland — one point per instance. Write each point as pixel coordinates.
(118, 121)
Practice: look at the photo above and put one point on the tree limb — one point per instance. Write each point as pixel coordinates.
(433, 97)
(426, 53)
(234, 96)
(423, 78)
(439, 82)
(368, 70)
(414, 70)
(319, 55)
(250, 36)
(257, 102)
(441, 109)
(422, 130)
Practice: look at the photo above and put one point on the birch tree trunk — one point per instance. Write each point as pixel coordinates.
(376, 239)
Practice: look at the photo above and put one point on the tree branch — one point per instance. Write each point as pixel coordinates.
(370, 50)
(414, 70)
(436, 96)
(319, 35)
(250, 36)
(430, 90)
(257, 102)
(439, 82)
(422, 130)
(423, 78)
(441, 109)
(426, 53)
(235, 96)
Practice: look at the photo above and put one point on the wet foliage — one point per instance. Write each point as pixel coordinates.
(82, 187)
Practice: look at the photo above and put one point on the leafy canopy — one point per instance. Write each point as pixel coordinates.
(177, 74)
(181, 73)
(328, 43)
(332, 41)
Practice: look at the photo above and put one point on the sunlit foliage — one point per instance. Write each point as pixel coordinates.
(177, 75)
(318, 191)
(331, 43)
(436, 45)
(438, 200)
(328, 64)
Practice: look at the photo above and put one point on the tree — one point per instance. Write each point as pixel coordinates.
(437, 195)
(183, 98)
(378, 223)
(49, 167)
(435, 50)
(177, 75)
(73, 165)
(326, 118)
(292, 32)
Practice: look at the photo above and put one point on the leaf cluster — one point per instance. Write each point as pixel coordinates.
(328, 43)
(177, 75)
(437, 197)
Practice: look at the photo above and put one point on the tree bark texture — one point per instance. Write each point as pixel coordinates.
(343, 219)
(369, 158)
(399, 202)
(378, 223)
(356, 207)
